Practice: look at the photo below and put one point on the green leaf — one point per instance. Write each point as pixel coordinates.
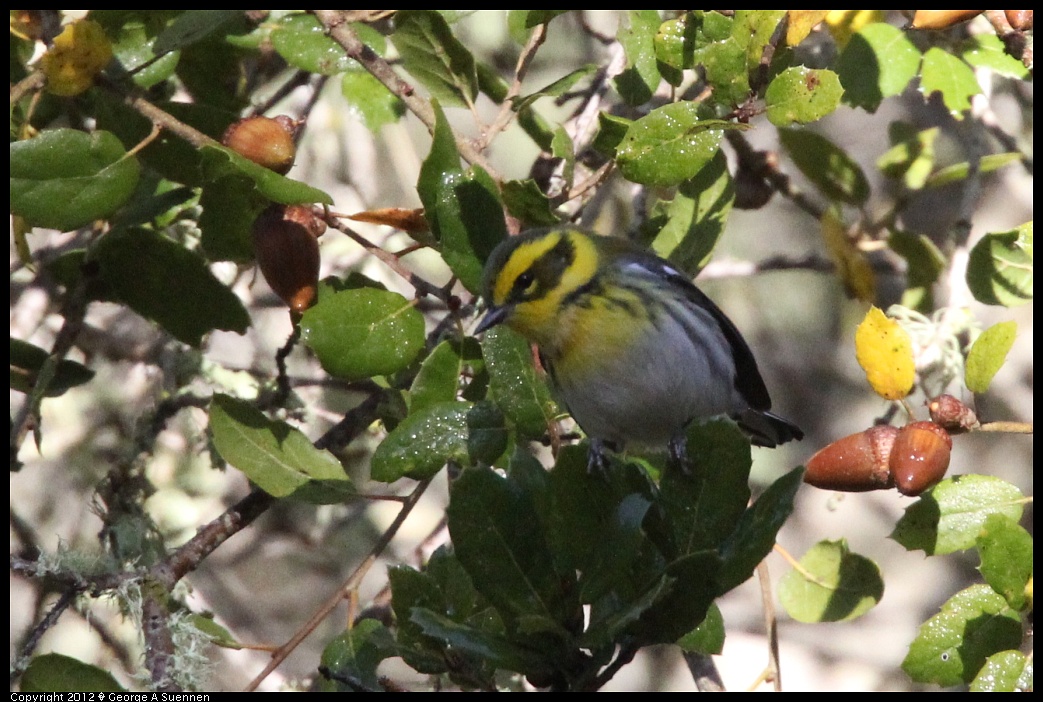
(363, 332)
(26, 362)
(944, 73)
(498, 538)
(826, 165)
(370, 100)
(139, 60)
(583, 511)
(669, 145)
(1006, 559)
(640, 78)
(721, 45)
(988, 51)
(525, 200)
(708, 637)
(463, 208)
(999, 271)
(675, 47)
(486, 646)
(53, 672)
(168, 154)
(166, 283)
(191, 27)
(468, 220)
(753, 29)
(230, 206)
(280, 459)
(519, 22)
(355, 655)
(443, 588)
(695, 217)
(513, 384)
(217, 634)
(691, 586)
(64, 178)
(949, 516)
(611, 132)
(878, 62)
(486, 433)
(952, 646)
(802, 95)
(555, 88)
(704, 504)
(220, 162)
(831, 585)
(925, 264)
(911, 158)
(1006, 671)
(304, 43)
(988, 354)
(422, 443)
(435, 57)
(959, 171)
(754, 537)
(438, 379)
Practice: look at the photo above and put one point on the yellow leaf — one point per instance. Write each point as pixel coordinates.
(801, 22)
(844, 23)
(851, 263)
(885, 352)
(79, 54)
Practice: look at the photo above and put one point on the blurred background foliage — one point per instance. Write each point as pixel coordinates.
(227, 441)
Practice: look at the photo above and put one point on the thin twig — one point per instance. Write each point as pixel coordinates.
(704, 672)
(773, 175)
(344, 590)
(391, 260)
(337, 26)
(506, 114)
(771, 625)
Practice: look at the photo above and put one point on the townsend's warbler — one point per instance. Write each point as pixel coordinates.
(634, 349)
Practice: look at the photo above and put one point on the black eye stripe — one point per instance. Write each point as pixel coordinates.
(544, 273)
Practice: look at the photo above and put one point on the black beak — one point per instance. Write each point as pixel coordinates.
(494, 316)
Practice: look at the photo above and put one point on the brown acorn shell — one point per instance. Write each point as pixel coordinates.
(267, 141)
(856, 463)
(287, 251)
(920, 457)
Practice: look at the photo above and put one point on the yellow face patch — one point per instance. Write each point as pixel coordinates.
(538, 275)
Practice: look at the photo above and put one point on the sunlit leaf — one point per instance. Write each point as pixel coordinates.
(952, 646)
(801, 95)
(952, 78)
(999, 271)
(831, 585)
(988, 354)
(363, 332)
(885, 352)
(279, 458)
(64, 178)
(949, 517)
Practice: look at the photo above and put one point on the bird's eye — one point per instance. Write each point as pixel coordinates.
(524, 282)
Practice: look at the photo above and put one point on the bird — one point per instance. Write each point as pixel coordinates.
(635, 351)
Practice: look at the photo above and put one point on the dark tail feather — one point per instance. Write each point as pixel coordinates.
(767, 429)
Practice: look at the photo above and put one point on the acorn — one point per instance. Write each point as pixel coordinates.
(913, 459)
(1019, 19)
(920, 457)
(952, 415)
(267, 141)
(287, 250)
(856, 463)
